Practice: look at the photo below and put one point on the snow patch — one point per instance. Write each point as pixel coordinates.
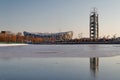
(2, 45)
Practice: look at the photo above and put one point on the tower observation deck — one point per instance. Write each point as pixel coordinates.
(94, 29)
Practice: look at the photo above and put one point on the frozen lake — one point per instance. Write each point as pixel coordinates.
(60, 50)
(60, 62)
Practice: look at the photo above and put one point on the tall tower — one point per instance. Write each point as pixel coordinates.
(94, 30)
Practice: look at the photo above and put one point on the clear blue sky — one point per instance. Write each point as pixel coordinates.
(59, 15)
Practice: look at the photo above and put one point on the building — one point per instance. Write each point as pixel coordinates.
(94, 27)
(48, 37)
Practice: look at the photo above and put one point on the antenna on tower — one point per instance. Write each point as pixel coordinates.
(94, 10)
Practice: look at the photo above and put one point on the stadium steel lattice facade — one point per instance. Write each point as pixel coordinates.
(50, 37)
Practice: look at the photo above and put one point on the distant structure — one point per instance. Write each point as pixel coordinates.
(94, 27)
(50, 37)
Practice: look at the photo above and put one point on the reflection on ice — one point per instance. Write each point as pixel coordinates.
(94, 67)
(60, 68)
(94, 64)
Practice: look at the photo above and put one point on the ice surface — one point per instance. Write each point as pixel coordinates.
(90, 50)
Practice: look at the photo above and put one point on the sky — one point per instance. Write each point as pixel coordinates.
(59, 16)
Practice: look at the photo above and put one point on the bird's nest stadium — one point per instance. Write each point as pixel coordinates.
(60, 36)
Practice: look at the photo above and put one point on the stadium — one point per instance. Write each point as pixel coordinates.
(50, 37)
